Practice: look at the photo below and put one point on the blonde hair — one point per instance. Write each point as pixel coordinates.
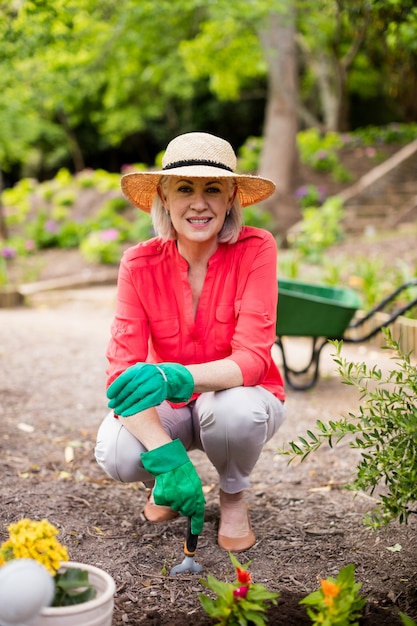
(163, 226)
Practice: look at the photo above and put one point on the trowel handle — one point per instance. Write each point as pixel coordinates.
(190, 544)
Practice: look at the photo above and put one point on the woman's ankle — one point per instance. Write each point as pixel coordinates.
(234, 520)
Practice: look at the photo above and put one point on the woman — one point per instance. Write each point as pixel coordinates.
(190, 352)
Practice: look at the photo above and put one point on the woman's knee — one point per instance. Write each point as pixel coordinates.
(241, 412)
(118, 453)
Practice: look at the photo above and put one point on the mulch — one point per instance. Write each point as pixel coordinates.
(307, 525)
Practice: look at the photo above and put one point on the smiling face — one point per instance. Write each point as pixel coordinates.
(198, 206)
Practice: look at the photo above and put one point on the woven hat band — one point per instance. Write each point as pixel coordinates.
(190, 162)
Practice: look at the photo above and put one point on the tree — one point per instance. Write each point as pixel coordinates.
(279, 153)
(256, 39)
(330, 35)
(87, 75)
(365, 47)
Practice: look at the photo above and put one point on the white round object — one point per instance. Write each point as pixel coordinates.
(26, 587)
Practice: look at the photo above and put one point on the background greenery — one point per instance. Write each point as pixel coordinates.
(99, 83)
(89, 89)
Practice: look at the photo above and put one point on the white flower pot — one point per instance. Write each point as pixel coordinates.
(95, 612)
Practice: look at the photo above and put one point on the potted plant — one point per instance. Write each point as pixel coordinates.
(40, 586)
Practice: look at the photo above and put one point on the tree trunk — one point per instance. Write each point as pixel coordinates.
(279, 154)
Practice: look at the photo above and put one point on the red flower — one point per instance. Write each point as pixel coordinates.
(243, 576)
(241, 592)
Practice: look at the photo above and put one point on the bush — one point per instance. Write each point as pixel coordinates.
(319, 229)
(102, 247)
(385, 429)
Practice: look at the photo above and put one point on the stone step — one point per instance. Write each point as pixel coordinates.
(371, 210)
(397, 198)
(385, 197)
(408, 186)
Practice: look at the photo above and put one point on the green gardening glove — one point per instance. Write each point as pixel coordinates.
(177, 483)
(144, 385)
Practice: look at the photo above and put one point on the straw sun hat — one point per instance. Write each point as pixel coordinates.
(195, 155)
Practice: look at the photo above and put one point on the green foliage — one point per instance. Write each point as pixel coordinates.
(255, 216)
(309, 196)
(337, 602)
(72, 587)
(217, 55)
(249, 154)
(84, 75)
(385, 430)
(102, 247)
(141, 228)
(4, 276)
(376, 135)
(56, 213)
(241, 603)
(319, 229)
(403, 33)
(319, 150)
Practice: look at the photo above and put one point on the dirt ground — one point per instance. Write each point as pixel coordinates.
(307, 525)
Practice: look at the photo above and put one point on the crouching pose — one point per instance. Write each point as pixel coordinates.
(189, 357)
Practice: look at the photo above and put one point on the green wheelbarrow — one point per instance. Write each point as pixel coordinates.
(324, 313)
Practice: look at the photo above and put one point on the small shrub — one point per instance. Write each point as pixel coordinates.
(385, 429)
(337, 602)
(318, 150)
(309, 196)
(70, 234)
(101, 247)
(241, 603)
(116, 205)
(319, 229)
(65, 198)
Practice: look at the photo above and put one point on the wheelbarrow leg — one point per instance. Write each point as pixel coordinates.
(311, 369)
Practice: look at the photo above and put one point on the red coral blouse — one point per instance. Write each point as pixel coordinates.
(236, 315)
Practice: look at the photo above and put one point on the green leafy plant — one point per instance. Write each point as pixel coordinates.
(337, 602)
(391, 133)
(255, 216)
(239, 603)
(384, 429)
(37, 540)
(249, 154)
(309, 196)
(101, 247)
(319, 229)
(319, 151)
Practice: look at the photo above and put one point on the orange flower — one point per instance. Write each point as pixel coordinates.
(243, 576)
(330, 589)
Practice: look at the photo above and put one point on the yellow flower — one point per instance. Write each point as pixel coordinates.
(34, 540)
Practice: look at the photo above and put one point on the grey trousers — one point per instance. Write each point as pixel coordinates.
(230, 426)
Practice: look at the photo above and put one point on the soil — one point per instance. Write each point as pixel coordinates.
(308, 526)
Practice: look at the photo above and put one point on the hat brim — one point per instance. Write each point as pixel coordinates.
(140, 187)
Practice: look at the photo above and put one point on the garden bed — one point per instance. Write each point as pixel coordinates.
(307, 526)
